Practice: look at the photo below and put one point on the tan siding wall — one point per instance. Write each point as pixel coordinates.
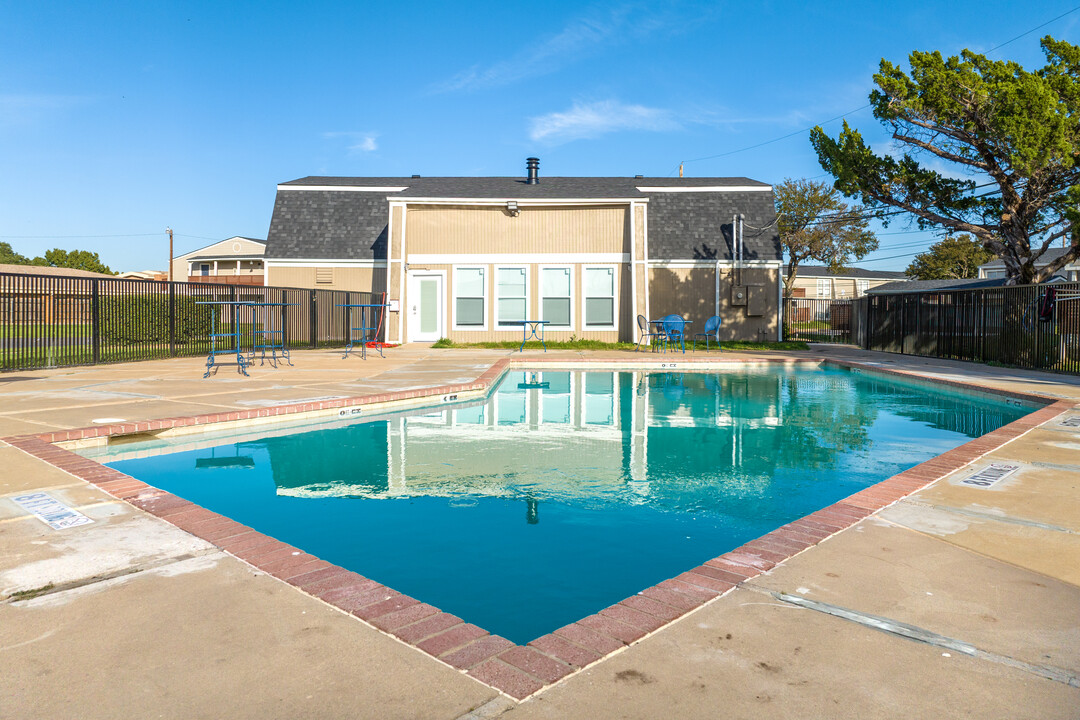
(394, 288)
(842, 287)
(691, 293)
(460, 230)
(640, 268)
(623, 309)
(345, 278)
(225, 247)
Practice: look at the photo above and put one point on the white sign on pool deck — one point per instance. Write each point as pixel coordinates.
(50, 511)
(990, 475)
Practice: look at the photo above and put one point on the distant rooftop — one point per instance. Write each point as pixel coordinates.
(46, 270)
(852, 272)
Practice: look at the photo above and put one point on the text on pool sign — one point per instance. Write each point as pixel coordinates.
(990, 475)
(50, 511)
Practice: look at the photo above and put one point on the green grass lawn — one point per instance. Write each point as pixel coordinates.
(35, 331)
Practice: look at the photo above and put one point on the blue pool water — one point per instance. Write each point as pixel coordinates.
(545, 504)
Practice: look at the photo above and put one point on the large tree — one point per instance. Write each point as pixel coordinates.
(816, 224)
(951, 258)
(78, 259)
(1002, 145)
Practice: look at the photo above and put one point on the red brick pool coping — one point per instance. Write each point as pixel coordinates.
(517, 670)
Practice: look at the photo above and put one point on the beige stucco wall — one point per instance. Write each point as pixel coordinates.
(840, 287)
(691, 293)
(363, 279)
(623, 305)
(231, 246)
(462, 229)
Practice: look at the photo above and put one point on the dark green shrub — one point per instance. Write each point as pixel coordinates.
(145, 318)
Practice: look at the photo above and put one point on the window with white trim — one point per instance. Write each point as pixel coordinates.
(599, 289)
(556, 299)
(511, 295)
(470, 298)
(824, 287)
(861, 286)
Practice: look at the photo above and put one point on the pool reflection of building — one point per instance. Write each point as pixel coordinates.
(587, 434)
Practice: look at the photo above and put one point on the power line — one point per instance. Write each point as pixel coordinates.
(69, 237)
(860, 109)
(997, 47)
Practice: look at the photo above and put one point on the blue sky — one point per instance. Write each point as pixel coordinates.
(119, 119)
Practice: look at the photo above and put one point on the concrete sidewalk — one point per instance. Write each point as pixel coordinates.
(956, 601)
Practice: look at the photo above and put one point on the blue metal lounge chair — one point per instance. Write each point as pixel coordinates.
(711, 332)
(674, 328)
(646, 332)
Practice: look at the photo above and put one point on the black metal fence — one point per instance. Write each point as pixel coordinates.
(55, 321)
(817, 320)
(1004, 325)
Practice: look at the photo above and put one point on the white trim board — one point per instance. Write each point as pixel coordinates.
(344, 188)
(312, 262)
(708, 188)
(521, 202)
(512, 258)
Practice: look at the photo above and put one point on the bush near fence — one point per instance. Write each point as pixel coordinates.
(133, 319)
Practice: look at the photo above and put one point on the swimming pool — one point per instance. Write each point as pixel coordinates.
(567, 491)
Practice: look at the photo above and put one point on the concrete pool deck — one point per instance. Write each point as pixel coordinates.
(956, 600)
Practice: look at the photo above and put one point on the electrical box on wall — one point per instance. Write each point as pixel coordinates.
(757, 300)
(738, 294)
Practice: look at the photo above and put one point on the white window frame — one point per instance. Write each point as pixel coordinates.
(824, 287)
(573, 295)
(454, 298)
(861, 286)
(528, 296)
(585, 327)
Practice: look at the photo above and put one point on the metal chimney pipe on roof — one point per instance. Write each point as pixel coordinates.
(533, 166)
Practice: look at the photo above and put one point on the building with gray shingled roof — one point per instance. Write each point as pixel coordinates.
(468, 257)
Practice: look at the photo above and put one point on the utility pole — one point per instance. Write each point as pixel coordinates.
(169, 230)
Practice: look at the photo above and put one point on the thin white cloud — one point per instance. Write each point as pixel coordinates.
(579, 38)
(585, 120)
(356, 142)
(22, 109)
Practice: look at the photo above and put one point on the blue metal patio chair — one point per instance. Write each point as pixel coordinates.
(674, 328)
(711, 332)
(646, 332)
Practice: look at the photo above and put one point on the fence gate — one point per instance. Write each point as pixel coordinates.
(821, 320)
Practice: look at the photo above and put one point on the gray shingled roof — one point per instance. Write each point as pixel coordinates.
(1046, 258)
(353, 224)
(815, 271)
(915, 286)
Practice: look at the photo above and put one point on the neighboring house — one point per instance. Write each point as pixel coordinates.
(235, 261)
(467, 257)
(34, 300)
(996, 268)
(144, 275)
(813, 281)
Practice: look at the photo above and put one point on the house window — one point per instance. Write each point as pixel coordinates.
(511, 295)
(599, 297)
(470, 298)
(204, 269)
(324, 276)
(556, 296)
(824, 287)
(861, 286)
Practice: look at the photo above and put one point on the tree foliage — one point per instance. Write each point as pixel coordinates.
(951, 258)
(1012, 137)
(8, 256)
(816, 224)
(78, 259)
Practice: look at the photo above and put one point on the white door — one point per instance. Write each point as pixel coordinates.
(425, 302)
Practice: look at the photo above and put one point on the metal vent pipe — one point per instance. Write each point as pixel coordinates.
(533, 166)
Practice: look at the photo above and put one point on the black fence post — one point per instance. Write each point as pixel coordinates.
(95, 321)
(314, 319)
(172, 319)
